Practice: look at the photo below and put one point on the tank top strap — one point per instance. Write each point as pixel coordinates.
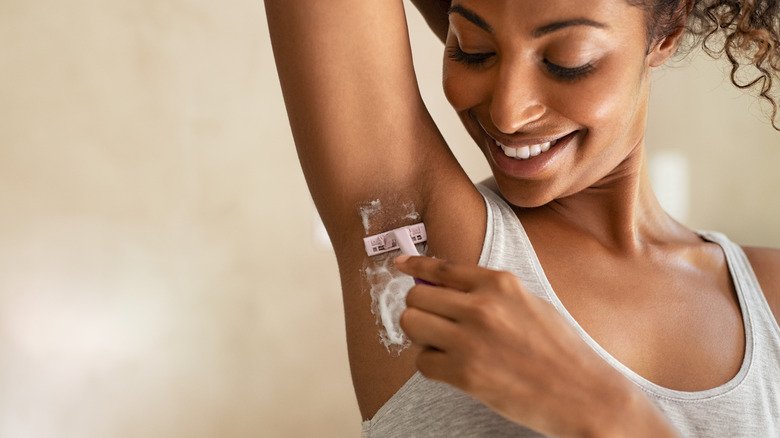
(747, 284)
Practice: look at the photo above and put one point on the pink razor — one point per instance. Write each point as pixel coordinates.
(403, 238)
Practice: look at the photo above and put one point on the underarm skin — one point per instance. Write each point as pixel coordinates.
(386, 285)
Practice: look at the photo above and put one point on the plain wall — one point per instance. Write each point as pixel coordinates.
(161, 272)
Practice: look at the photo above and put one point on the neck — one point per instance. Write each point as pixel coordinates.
(620, 212)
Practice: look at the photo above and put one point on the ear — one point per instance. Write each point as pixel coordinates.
(665, 48)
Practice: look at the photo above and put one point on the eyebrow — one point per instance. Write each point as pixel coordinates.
(536, 33)
(552, 27)
(471, 16)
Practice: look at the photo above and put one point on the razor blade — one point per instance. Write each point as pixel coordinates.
(396, 239)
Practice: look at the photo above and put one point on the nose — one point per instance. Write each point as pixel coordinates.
(516, 100)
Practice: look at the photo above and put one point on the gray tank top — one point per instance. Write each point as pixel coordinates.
(746, 406)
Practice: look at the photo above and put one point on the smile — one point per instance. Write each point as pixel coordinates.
(526, 152)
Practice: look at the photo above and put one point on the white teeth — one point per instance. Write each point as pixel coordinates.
(525, 152)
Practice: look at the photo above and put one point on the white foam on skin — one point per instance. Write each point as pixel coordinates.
(366, 211)
(388, 286)
(372, 208)
(412, 215)
(388, 301)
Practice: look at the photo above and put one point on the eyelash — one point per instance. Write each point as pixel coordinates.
(569, 74)
(563, 73)
(471, 59)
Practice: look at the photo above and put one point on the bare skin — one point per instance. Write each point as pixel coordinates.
(349, 86)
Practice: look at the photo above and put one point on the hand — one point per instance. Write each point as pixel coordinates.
(483, 332)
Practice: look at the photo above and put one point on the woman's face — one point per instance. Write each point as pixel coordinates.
(554, 92)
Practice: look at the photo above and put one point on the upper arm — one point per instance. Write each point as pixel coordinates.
(766, 265)
(349, 89)
(360, 126)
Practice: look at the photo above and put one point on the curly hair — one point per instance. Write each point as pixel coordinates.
(747, 32)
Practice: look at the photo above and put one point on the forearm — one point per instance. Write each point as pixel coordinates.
(435, 14)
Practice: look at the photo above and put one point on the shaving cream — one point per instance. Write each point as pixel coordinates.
(388, 286)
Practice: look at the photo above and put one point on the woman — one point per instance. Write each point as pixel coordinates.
(564, 300)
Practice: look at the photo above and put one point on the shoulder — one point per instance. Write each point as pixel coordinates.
(766, 265)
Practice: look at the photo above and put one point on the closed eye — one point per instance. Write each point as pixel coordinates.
(456, 54)
(569, 73)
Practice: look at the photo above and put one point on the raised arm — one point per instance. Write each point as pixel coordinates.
(364, 138)
(351, 97)
(359, 123)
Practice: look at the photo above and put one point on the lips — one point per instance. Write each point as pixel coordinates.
(529, 158)
(528, 155)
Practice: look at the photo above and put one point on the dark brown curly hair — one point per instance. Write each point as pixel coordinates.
(747, 32)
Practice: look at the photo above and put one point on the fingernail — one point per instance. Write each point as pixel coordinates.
(402, 258)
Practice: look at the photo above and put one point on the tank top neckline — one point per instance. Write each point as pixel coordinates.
(737, 279)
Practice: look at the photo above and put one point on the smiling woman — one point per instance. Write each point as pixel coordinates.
(560, 298)
(577, 87)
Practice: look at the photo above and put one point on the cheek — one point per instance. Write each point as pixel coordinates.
(609, 100)
(464, 89)
(606, 102)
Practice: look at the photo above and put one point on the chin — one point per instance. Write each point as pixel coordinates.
(523, 194)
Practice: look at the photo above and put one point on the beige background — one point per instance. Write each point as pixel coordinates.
(161, 273)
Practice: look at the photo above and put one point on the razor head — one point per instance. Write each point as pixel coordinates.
(403, 238)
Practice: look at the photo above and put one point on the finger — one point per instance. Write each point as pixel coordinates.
(435, 365)
(459, 276)
(427, 330)
(440, 301)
